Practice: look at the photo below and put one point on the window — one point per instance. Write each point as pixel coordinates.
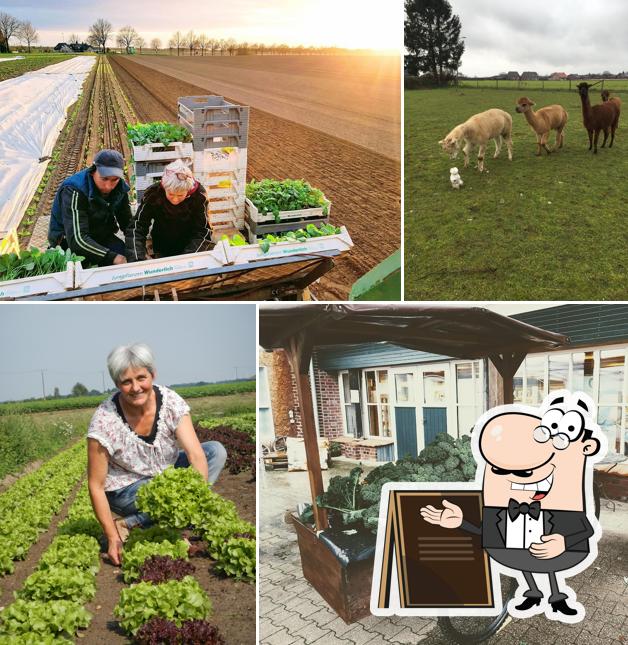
(469, 396)
(378, 403)
(350, 399)
(600, 373)
(434, 392)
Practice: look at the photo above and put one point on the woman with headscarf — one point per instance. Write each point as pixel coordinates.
(176, 208)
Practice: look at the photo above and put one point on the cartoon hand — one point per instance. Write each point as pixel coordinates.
(449, 517)
(549, 547)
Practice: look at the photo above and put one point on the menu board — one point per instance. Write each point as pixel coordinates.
(420, 565)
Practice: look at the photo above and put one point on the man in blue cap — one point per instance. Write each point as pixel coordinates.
(90, 207)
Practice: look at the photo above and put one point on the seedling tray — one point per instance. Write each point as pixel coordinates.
(304, 215)
(120, 273)
(253, 253)
(37, 285)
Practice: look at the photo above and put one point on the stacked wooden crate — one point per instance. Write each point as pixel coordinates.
(219, 132)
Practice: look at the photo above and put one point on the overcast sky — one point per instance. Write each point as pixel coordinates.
(541, 36)
(345, 23)
(70, 342)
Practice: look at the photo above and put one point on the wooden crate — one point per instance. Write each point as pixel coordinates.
(347, 589)
(37, 285)
(304, 214)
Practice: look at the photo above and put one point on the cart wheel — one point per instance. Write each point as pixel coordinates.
(469, 629)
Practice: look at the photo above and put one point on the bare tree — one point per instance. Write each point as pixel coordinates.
(191, 41)
(261, 48)
(99, 33)
(231, 46)
(203, 43)
(74, 39)
(177, 41)
(155, 44)
(214, 44)
(139, 43)
(171, 45)
(8, 28)
(127, 37)
(28, 34)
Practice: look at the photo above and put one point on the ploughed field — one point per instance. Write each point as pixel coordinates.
(362, 184)
(537, 228)
(356, 98)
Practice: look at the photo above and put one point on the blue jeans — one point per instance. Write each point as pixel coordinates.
(122, 500)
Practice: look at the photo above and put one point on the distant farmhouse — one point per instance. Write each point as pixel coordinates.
(558, 76)
(512, 76)
(73, 48)
(529, 76)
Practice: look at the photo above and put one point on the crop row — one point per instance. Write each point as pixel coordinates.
(187, 392)
(166, 604)
(27, 508)
(240, 446)
(243, 422)
(49, 607)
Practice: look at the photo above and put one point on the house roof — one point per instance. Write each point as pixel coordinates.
(457, 331)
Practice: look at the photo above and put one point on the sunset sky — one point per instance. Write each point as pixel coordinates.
(343, 23)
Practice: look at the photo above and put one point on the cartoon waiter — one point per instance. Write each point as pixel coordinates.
(534, 519)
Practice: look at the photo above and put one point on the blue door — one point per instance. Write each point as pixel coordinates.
(434, 422)
(405, 420)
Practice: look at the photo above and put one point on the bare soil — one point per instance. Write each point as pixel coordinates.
(356, 98)
(363, 186)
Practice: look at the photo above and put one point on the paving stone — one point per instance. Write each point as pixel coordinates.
(323, 617)
(294, 623)
(281, 637)
(313, 632)
(267, 628)
(358, 635)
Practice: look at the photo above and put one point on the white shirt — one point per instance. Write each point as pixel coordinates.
(525, 530)
(131, 458)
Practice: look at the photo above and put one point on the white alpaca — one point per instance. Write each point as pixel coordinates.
(476, 131)
(454, 178)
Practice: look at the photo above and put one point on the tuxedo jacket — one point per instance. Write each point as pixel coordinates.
(573, 525)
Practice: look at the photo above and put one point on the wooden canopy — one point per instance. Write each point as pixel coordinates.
(456, 331)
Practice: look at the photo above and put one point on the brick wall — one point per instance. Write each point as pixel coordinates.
(327, 401)
(360, 453)
(283, 394)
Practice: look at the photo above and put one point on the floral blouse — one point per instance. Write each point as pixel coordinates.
(130, 457)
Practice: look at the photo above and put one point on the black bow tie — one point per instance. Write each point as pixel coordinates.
(515, 509)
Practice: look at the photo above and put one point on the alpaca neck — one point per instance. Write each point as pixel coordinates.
(531, 118)
(586, 108)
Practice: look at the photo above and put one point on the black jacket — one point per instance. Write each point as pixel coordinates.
(572, 525)
(175, 229)
(87, 220)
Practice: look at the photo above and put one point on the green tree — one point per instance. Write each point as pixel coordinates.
(79, 390)
(432, 40)
(57, 394)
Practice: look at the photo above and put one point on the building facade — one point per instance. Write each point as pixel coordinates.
(382, 402)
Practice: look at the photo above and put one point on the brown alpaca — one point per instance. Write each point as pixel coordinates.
(543, 121)
(597, 118)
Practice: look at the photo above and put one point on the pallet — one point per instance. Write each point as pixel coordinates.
(276, 461)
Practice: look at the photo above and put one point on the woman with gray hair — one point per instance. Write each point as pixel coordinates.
(176, 207)
(133, 436)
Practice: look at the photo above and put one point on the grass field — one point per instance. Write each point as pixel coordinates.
(546, 228)
(30, 62)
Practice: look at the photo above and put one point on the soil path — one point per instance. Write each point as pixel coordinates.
(364, 187)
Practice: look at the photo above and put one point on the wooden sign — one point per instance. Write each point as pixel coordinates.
(423, 569)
